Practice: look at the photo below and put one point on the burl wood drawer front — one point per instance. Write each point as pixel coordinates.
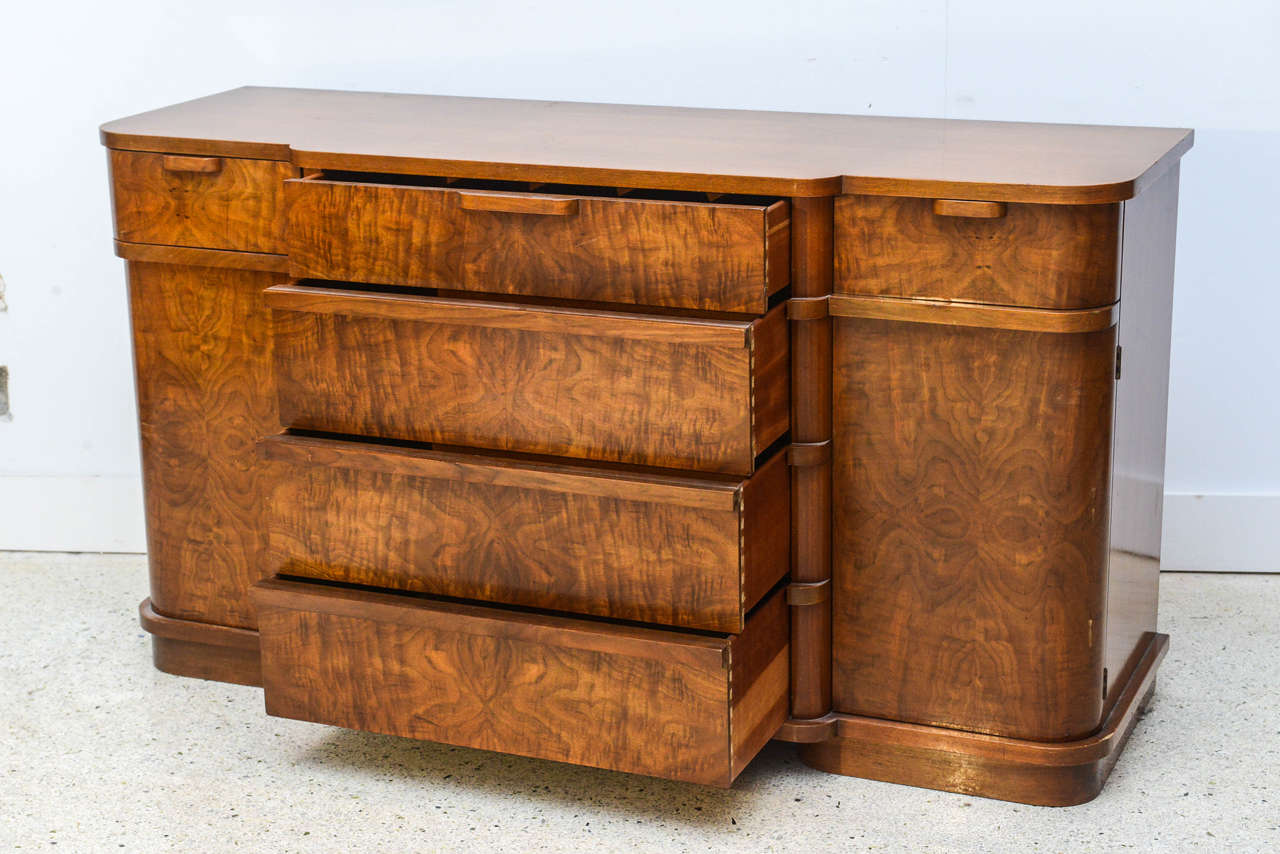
(684, 706)
(633, 388)
(970, 517)
(712, 256)
(1045, 256)
(209, 202)
(592, 539)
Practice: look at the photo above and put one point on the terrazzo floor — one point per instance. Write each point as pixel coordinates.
(103, 753)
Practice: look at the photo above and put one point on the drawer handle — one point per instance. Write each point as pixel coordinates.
(973, 210)
(520, 203)
(205, 165)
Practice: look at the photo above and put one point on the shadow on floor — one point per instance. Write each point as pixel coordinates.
(446, 771)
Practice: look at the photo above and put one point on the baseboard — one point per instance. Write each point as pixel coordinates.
(1221, 533)
(68, 513)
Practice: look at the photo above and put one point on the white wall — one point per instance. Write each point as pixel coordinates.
(1213, 66)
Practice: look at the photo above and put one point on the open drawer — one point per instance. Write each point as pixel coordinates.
(680, 705)
(681, 250)
(647, 389)
(612, 541)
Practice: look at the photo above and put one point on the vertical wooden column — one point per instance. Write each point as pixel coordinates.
(812, 224)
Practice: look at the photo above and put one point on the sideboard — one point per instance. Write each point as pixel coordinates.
(636, 437)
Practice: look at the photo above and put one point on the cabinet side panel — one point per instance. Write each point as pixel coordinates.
(970, 515)
(1142, 407)
(202, 351)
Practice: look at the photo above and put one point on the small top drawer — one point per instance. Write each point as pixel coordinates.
(586, 243)
(208, 202)
(1040, 256)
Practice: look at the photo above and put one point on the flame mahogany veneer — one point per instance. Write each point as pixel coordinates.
(637, 436)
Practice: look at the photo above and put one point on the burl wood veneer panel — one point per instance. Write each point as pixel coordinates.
(970, 516)
(692, 255)
(202, 351)
(651, 390)
(1040, 256)
(684, 706)
(637, 545)
(207, 202)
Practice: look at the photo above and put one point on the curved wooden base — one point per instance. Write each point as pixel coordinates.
(1009, 769)
(202, 650)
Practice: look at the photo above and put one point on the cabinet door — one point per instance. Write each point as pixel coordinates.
(202, 351)
(970, 510)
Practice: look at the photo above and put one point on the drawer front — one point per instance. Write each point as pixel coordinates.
(717, 257)
(654, 548)
(210, 202)
(664, 703)
(1042, 256)
(644, 389)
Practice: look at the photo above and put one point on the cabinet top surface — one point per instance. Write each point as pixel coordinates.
(800, 154)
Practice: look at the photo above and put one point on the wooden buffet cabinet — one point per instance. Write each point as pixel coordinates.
(635, 437)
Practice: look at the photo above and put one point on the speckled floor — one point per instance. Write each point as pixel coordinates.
(102, 753)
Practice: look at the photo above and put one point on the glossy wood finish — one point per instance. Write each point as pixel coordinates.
(732, 151)
(946, 313)
(213, 203)
(694, 255)
(1142, 394)
(202, 352)
(645, 546)
(812, 231)
(192, 257)
(202, 650)
(1029, 772)
(578, 291)
(1034, 256)
(684, 706)
(971, 506)
(967, 208)
(654, 390)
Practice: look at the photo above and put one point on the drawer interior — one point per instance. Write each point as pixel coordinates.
(585, 190)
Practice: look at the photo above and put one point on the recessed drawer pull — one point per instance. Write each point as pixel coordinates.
(205, 165)
(520, 203)
(970, 209)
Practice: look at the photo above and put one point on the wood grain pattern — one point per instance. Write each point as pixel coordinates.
(202, 650)
(511, 386)
(971, 506)
(731, 151)
(238, 206)
(1056, 774)
(714, 257)
(812, 233)
(529, 533)
(605, 695)
(202, 352)
(1036, 256)
(1142, 406)
(946, 313)
(189, 256)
